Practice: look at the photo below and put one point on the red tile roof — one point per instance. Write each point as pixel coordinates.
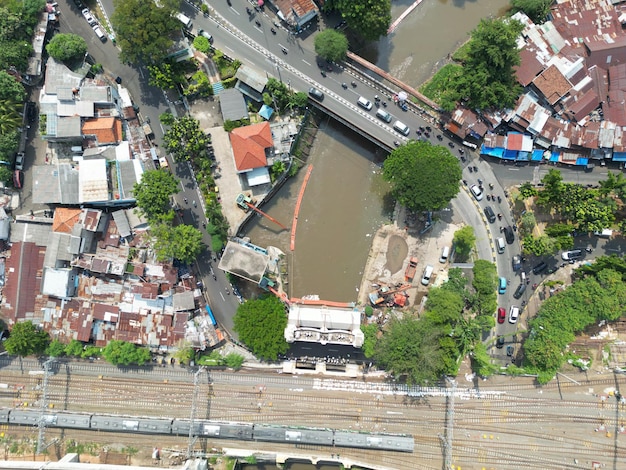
(249, 144)
(552, 84)
(107, 130)
(65, 219)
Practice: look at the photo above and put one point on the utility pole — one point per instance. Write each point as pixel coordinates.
(41, 424)
(194, 405)
(446, 438)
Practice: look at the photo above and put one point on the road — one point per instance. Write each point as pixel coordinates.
(497, 424)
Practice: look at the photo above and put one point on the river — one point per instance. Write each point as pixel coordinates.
(346, 199)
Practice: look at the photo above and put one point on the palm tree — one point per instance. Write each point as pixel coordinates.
(10, 117)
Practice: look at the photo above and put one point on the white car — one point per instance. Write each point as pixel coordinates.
(513, 314)
(478, 194)
(19, 161)
(87, 15)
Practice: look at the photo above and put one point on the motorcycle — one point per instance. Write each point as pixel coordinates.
(344, 86)
(353, 83)
(273, 30)
(499, 199)
(470, 169)
(284, 50)
(488, 197)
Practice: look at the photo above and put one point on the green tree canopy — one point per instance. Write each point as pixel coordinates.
(26, 339)
(10, 116)
(67, 47)
(124, 353)
(410, 350)
(537, 10)
(488, 79)
(164, 75)
(485, 283)
(153, 193)
(422, 176)
(10, 88)
(261, 324)
(185, 140)
(182, 242)
(370, 19)
(331, 45)
(55, 349)
(464, 240)
(144, 30)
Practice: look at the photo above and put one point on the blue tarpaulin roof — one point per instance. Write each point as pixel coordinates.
(266, 112)
(492, 151)
(537, 155)
(582, 161)
(510, 154)
(619, 156)
(554, 157)
(523, 156)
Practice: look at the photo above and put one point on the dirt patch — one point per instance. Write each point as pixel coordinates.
(397, 249)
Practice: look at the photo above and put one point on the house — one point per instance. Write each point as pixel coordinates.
(324, 325)
(296, 13)
(104, 130)
(251, 145)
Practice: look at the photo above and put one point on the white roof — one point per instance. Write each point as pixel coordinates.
(92, 181)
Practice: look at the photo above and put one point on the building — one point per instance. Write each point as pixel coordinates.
(324, 325)
(251, 146)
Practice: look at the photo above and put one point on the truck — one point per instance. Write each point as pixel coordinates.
(185, 20)
(409, 274)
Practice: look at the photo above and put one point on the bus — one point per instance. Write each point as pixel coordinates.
(210, 312)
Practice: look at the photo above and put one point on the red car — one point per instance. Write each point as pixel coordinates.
(501, 315)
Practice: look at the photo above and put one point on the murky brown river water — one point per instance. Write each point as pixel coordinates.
(345, 201)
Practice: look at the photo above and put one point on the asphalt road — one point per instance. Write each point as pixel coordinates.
(497, 424)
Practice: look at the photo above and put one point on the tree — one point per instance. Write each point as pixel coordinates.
(55, 349)
(234, 361)
(144, 29)
(464, 240)
(537, 10)
(67, 47)
(6, 175)
(481, 362)
(410, 350)
(10, 88)
(10, 116)
(74, 348)
(185, 353)
(370, 332)
(368, 18)
(153, 193)
(485, 282)
(422, 176)
(123, 353)
(488, 79)
(163, 76)
(261, 324)
(331, 45)
(538, 246)
(202, 44)
(9, 143)
(528, 222)
(182, 242)
(527, 190)
(201, 85)
(552, 188)
(26, 339)
(185, 140)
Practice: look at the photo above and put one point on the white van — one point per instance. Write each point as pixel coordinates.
(363, 103)
(401, 128)
(428, 272)
(500, 245)
(185, 20)
(384, 115)
(444, 254)
(99, 33)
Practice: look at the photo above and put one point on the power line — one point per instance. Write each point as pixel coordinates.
(447, 437)
(194, 405)
(41, 424)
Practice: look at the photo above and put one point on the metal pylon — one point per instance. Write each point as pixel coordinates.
(41, 424)
(446, 438)
(194, 405)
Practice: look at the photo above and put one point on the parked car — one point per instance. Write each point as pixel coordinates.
(500, 342)
(502, 285)
(571, 255)
(516, 262)
(19, 161)
(501, 314)
(519, 291)
(539, 268)
(87, 15)
(513, 314)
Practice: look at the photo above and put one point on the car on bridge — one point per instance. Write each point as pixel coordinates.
(364, 103)
(315, 93)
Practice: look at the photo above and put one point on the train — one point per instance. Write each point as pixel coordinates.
(211, 429)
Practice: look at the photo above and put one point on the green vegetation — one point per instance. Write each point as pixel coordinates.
(574, 207)
(261, 324)
(232, 360)
(422, 176)
(422, 351)
(370, 19)
(371, 337)
(202, 44)
(10, 88)
(331, 45)
(145, 30)
(67, 47)
(153, 194)
(537, 10)
(281, 97)
(124, 353)
(10, 116)
(185, 140)
(199, 86)
(464, 240)
(26, 339)
(182, 242)
(598, 294)
(486, 79)
(164, 75)
(18, 20)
